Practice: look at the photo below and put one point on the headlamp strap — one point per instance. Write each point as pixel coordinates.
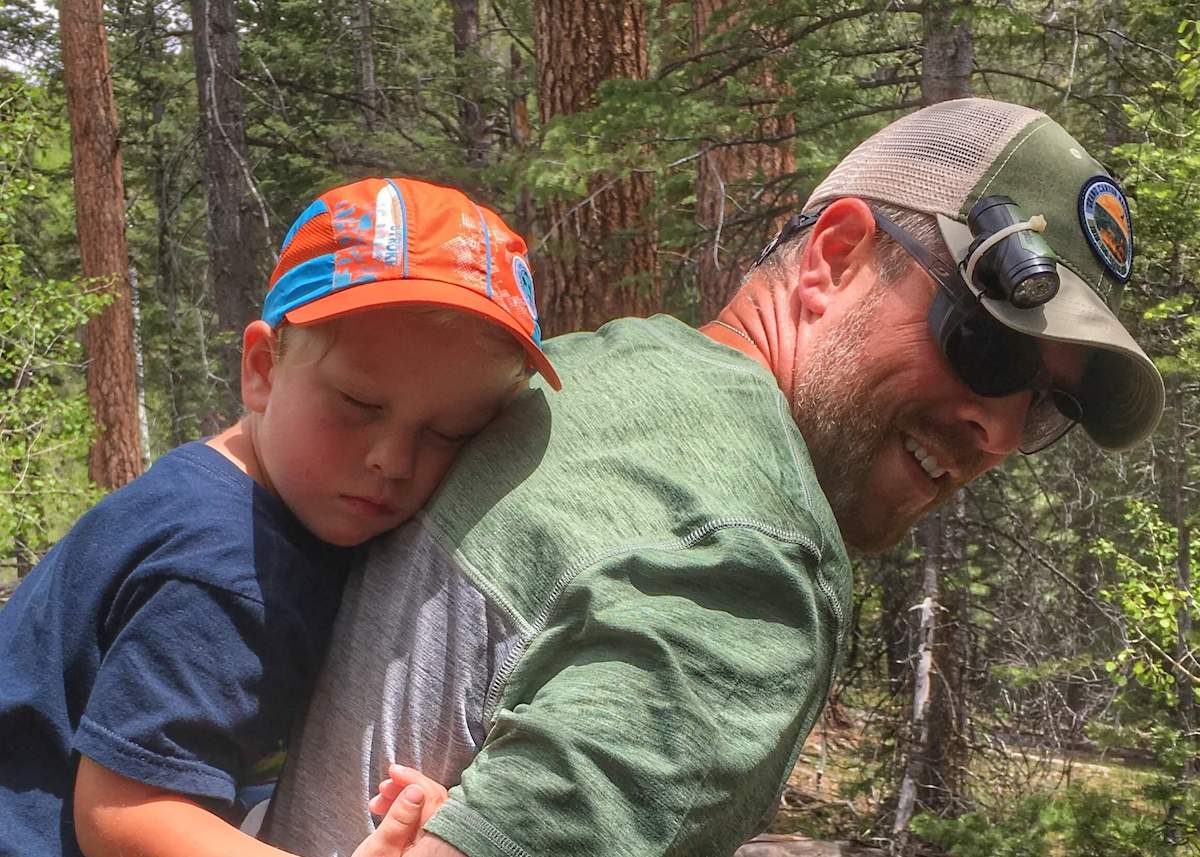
(796, 223)
(1037, 223)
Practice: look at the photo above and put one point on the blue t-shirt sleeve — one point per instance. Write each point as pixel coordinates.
(197, 686)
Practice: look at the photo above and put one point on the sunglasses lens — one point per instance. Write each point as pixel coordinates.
(991, 359)
(1052, 413)
(995, 361)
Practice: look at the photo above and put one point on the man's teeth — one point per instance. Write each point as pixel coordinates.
(925, 458)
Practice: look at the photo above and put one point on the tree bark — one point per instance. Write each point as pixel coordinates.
(471, 120)
(520, 135)
(945, 750)
(372, 97)
(1116, 129)
(116, 455)
(598, 254)
(232, 271)
(729, 177)
(949, 54)
(936, 750)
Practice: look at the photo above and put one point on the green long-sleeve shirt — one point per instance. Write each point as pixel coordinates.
(613, 627)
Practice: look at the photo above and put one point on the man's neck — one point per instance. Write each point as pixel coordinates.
(728, 333)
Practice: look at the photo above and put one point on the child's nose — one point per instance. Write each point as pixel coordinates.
(394, 454)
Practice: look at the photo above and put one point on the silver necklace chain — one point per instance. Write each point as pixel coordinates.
(735, 331)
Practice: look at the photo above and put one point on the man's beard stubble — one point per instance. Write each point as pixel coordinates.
(831, 406)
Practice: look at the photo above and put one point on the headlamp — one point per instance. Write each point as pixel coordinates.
(1009, 259)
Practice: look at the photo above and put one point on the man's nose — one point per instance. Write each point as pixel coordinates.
(997, 423)
(393, 454)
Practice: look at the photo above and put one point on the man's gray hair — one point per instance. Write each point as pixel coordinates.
(894, 262)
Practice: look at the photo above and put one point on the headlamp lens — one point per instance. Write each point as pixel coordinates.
(1035, 291)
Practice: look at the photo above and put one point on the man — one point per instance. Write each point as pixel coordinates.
(622, 650)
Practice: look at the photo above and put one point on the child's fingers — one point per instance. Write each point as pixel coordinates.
(379, 804)
(404, 775)
(403, 820)
(400, 825)
(435, 792)
(390, 788)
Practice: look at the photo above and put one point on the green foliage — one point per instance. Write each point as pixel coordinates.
(1078, 822)
(1148, 594)
(45, 426)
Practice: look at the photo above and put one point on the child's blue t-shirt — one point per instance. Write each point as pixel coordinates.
(170, 636)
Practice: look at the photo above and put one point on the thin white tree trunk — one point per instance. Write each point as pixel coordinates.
(923, 680)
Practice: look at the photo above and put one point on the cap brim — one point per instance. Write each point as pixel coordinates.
(428, 293)
(1123, 394)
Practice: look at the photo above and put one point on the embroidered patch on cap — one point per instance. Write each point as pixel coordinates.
(1104, 215)
(524, 278)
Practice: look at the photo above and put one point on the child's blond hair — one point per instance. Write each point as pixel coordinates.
(312, 342)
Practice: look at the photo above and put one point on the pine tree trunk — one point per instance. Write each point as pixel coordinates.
(728, 177)
(369, 89)
(941, 791)
(599, 253)
(116, 455)
(168, 279)
(935, 750)
(235, 279)
(949, 54)
(1116, 129)
(471, 124)
(520, 135)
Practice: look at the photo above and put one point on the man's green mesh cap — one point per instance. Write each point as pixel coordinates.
(943, 159)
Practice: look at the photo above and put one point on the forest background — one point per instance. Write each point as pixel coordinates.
(1039, 627)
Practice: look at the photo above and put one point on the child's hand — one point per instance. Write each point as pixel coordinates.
(406, 800)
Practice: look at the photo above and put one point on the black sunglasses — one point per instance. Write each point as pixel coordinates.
(990, 358)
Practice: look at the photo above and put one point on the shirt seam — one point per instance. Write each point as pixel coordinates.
(786, 423)
(493, 595)
(137, 751)
(749, 367)
(550, 602)
(481, 825)
(166, 576)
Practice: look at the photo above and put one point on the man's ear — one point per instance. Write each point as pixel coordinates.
(259, 342)
(842, 243)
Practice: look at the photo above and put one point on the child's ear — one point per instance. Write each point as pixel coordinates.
(259, 342)
(842, 242)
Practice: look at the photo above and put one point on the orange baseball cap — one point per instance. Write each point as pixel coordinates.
(388, 241)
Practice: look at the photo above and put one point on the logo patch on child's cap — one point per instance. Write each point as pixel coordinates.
(391, 228)
(524, 278)
(1104, 216)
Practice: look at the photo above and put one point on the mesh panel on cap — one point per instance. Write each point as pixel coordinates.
(314, 238)
(929, 160)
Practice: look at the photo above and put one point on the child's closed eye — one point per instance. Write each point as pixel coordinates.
(358, 403)
(452, 437)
